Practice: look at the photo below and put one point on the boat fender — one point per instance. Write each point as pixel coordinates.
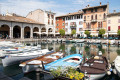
(110, 69)
(108, 73)
(114, 71)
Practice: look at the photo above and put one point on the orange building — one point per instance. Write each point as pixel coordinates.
(60, 23)
(95, 18)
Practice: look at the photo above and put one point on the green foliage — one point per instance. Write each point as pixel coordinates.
(73, 50)
(118, 52)
(73, 32)
(62, 32)
(56, 73)
(87, 33)
(118, 32)
(101, 31)
(62, 46)
(68, 72)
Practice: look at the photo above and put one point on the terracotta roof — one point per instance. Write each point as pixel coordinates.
(69, 14)
(114, 14)
(94, 7)
(18, 19)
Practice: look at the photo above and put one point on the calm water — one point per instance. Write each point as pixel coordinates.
(88, 50)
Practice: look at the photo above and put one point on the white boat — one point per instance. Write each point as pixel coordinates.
(117, 65)
(18, 57)
(33, 64)
(95, 68)
(79, 40)
(9, 43)
(18, 49)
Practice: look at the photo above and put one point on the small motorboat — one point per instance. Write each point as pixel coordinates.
(95, 67)
(33, 64)
(69, 61)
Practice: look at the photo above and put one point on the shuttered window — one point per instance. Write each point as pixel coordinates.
(108, 28)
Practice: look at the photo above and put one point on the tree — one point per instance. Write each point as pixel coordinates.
(73, 32)
(118, 33)
(87, 33)
(101, 32)
(62, 32)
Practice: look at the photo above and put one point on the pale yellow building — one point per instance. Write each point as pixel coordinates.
(113, 23)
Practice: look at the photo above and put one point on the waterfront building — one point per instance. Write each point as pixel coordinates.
(60, 24)
(95, 18)
(69, 22)
(12, 26)
(113, 23)
(45, 17)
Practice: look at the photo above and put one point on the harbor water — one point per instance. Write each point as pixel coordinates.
(87, 50)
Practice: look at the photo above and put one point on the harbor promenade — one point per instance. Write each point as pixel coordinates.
(55, 40)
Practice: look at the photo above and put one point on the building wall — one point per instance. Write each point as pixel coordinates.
(59, 24)
(94, 23)
(42, 17)
(113, 22)
(37, 15)
(11, 25)
(78, 26)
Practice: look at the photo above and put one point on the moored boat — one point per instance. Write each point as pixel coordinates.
(69, 61)
(95, 68)
(18, 57)
(33, 64)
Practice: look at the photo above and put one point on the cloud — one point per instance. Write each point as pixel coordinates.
(23, 7)
(82, 1)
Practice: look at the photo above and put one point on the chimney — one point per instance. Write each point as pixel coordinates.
(88, 6)
(114, 11)
(100, 3)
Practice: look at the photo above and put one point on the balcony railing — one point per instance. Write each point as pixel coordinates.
(94, 20)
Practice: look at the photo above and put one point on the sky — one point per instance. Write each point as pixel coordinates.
(60, 7)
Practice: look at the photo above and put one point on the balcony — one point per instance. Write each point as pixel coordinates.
(94, 20)
(88, 28)
(73, 27)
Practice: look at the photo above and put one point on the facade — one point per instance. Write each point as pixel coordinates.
(18, 27)
(60, 23)
(45, 17)
(113, 23)
(69, 22)
(95, 18)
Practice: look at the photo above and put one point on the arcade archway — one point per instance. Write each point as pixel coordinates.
(50, 34)
(4, 31)
(35, 35)
(43, 31)
(27, 32)
(16, 32)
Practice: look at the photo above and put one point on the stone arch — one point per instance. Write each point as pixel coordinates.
(27, 32)
(43, 29)
(4, 31)
(50, 30)
(16, 31)
(43, 32)
(50, 34)
(35, 29)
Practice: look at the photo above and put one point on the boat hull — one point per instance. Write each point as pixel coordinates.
(29, 68)
(10, 60)
(95, 76)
